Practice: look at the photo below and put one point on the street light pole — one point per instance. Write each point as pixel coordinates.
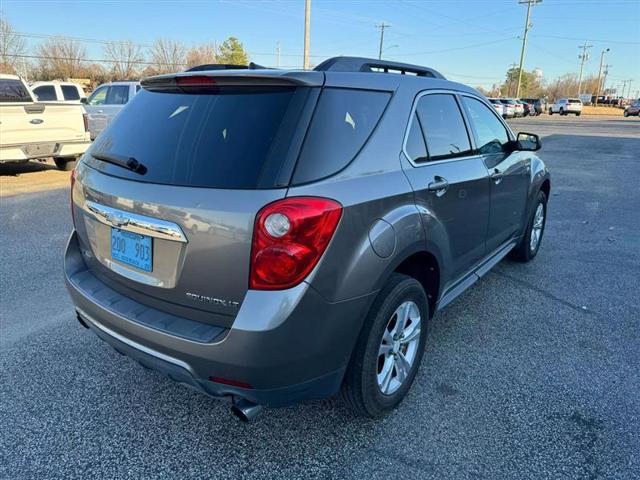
(527, 26)
(600, 75)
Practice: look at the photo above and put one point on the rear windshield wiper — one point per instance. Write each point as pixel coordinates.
(120, 161)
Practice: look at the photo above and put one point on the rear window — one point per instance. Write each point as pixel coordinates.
(45, 93)
(574, 100)
(343, 121)
(240, 138)
(13, 91)
(70, 92)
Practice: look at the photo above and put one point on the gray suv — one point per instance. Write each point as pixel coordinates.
(273, 236)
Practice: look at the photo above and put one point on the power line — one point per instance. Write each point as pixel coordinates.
(94, 60)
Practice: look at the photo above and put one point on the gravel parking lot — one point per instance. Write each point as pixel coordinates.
(533, 373)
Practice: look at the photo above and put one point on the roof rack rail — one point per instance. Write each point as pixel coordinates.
(360, 64)
(226, 66)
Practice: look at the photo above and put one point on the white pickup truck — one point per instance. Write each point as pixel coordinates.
(32, 130)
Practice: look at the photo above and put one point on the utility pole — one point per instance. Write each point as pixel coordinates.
(584, 56)
(527, 26)
(629, 91)
(307, 26)
(600, 74)
(604, 77)
(381, 26)
(278, 54)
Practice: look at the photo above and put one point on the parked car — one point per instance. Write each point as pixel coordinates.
(105, 103)
(37, 131)
(509, 107)
(633, 109)
(537, 103)
(565, 106)
(528, 109)
(500, 108)
(325, 256)
(58, 92)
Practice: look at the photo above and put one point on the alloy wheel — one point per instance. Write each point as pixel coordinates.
(398, 347)
(536, 228)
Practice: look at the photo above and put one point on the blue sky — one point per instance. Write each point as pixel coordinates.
(472, 41)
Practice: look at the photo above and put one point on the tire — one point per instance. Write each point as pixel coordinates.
(524, 251)
(561, 111)
(550, 112)
(578, 114)
(65, 164)
(365, 379)
(625, 114)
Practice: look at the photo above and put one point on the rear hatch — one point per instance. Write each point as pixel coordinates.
(166, 198)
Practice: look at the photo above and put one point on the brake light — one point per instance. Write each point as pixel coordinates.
(85, 119)
(194, 81)
(289, 237)
(73, 182)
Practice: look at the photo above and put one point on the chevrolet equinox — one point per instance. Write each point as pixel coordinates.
(273, 236)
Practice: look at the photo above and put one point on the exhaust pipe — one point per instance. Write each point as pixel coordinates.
(245, 410)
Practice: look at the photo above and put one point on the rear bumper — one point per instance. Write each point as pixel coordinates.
(293, 344)
(17, 153)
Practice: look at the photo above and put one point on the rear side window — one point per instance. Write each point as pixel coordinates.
(70, 92)
(343, 121)
(239, 138)
(443, 127)
(13, 91)
(45, 93)
(117, 95)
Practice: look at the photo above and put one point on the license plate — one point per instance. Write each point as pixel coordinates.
(41, 149)
(132, 249)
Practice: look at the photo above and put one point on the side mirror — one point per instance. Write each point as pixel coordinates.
(528, 142)
(83, 100)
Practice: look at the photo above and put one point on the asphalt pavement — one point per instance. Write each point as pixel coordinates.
(534, 373)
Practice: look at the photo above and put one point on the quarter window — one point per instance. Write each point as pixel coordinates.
(443, 127)
(491, 136)
(415, 147)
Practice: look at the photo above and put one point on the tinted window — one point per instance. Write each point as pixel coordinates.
(13, 91)
(225, 139)
(70, 92)
(117, 95)
(490, 134)
(45, 93)
(574, 100)
(415, 147)
(443, 126)
(98, 97)
(341, 125)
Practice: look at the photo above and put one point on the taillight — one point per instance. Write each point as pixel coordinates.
(85, 119)
(289, 237)
(73, 182)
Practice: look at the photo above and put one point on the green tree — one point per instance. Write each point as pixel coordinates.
(529, 85)
(232, 52)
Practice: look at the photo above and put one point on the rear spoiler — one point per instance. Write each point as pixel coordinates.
(233, 78)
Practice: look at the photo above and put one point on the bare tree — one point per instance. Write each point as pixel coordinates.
(11, 46)
(201, 55)
(126, 57)
(168, 56)
(60, 58)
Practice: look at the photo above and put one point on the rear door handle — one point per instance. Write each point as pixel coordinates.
(439, 185)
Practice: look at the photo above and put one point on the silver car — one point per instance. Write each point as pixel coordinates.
(105, 103)
(274, 236)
